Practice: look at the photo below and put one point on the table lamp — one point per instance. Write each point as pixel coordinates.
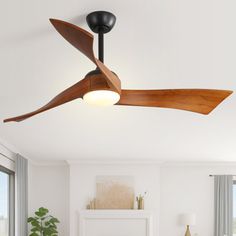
(188, 219)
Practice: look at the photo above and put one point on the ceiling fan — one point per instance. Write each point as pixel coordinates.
(103, 87)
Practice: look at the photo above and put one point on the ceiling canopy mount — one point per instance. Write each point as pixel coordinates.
(101, 21)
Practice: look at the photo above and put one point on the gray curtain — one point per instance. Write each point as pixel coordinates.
(223, 200)
(21, 173)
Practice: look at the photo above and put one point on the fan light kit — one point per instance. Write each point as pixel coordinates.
(103, 87)
(102, 98)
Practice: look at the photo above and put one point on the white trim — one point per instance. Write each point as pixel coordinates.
(83, 161)
(48, 162)
(4, 151)
(204, 164)
(7, 158)
(113, 161)
(7, 163)
(115, 214)
(8, 146)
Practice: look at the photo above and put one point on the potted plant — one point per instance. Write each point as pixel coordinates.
(43, 224)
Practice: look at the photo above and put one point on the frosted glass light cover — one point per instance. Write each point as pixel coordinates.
(101, 98)
(188, 219)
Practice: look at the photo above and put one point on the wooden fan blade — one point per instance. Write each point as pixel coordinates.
(73, 92)
(78, 37)
(196, 100)
(83, 41)
(112, 80)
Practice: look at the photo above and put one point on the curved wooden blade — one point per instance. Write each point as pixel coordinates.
(74, 92)
(196, 100)
(83, 41)
(78, 37)
(112, 80)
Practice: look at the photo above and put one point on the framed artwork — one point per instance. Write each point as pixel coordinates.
(114, 192)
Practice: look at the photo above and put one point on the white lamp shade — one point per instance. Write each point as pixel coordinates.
(188, 219)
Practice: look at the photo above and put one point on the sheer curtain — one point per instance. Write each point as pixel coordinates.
(223, 199)
(21, 172)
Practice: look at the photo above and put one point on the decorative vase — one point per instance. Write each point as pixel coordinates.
(92, 204)
(140, 203)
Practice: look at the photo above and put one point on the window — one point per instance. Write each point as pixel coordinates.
(6, 202)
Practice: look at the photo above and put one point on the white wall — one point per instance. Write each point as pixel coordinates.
(82, 187)
(49, 187)
(188, 188)
(173, 189)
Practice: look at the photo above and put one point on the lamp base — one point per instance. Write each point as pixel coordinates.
(187, 231)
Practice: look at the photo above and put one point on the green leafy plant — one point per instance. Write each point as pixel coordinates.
(43, 224)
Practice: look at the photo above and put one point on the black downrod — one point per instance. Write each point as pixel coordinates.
(101, 46)
(101, 22)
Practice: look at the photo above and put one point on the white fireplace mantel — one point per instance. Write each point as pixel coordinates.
(126, 222)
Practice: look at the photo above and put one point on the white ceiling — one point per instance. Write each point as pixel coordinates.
(155, 44)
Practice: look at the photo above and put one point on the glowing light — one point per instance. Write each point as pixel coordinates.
(101, 98)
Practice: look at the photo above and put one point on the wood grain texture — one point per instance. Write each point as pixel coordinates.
(83, 41)
(72, 93)
(89, 83)
(196, 100)
(114, 81)
(76, 36)
(99, 82)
